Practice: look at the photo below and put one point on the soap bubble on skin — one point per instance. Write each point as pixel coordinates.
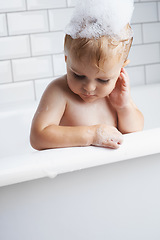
(96, 18)
(105, 138)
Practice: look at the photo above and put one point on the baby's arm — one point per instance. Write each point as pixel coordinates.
(130, 119)
(46, 132)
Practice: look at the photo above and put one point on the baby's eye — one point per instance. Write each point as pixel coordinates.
(79, 76)
(103, 81)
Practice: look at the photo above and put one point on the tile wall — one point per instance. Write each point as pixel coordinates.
(31, 45)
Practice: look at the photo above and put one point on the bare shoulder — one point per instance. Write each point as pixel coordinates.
(57, 87)
(52, 104)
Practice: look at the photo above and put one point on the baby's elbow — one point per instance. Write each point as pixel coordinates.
(35, 141)
(132, 129)
(140, 124)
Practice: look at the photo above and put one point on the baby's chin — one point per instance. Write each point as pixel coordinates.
(89, 99)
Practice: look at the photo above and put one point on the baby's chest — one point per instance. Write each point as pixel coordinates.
(89, 114)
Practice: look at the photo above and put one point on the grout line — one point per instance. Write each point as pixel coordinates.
(31, 80)
(67, 3)
(146, 22)
(157, 11)
(142, 34)
(159, 52)
(12, 71)
(142, 65)
(7, 26)
(30, 46)
(52, 65)
(34, 89)
(34, 33)
(49, 25)
(145, 75)
(34, 56)
(26, 5)
(155, 1)
(35, 10)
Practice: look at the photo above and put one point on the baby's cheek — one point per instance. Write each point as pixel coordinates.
(109, 89)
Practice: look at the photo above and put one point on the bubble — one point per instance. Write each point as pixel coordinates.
(96, 18)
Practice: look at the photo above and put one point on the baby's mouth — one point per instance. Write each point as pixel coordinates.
(88, 94)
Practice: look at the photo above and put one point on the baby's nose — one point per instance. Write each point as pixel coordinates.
(89, 87)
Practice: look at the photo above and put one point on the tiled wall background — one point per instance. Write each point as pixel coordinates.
(31, 45)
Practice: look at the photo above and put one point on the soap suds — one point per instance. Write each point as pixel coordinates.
(96, 18)
(106, 136)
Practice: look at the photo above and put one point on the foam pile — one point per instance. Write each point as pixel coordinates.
(96, 18)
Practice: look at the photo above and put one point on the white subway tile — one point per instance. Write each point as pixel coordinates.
(16, 92)
(137, 38)
(27, 22)
(159, 10)
(45, 4)
(151, 32)
(3, 25)
(144, 54)
(153, 73)
(47, 43)
(136, 75)
(32, 68)
(5, 72)
(59, 18)
(71, 3)
(41, 85)
(14, 47)
(12, 5)
(59, 64)
(145, 12)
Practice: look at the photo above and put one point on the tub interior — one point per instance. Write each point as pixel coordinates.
(115, 201)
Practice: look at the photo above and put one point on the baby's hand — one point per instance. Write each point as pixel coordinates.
(120, 96)
(107, 136)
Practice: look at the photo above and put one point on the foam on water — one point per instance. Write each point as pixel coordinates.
(95, 18)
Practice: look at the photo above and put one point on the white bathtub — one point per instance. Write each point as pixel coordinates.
(109, 199)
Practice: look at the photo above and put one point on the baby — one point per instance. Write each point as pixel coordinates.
(91, 104)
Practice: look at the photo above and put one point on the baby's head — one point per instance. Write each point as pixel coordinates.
(101, 49)
(97, 43)
(96, 58)
(101, 30)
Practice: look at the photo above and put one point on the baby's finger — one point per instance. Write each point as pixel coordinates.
(125, 81)
(114, 142)
(111, 144)
(122, 70)
(125, 72)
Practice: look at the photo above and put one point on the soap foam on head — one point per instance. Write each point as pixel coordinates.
(96, 18)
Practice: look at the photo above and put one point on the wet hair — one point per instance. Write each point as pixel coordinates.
(98, 50)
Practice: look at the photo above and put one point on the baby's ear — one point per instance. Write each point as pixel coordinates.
(126, 63)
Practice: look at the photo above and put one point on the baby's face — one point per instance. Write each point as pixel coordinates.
(85, 80)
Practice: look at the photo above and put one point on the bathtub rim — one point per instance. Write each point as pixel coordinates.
(50, 163)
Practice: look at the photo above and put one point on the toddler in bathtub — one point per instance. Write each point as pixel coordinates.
(91, 104)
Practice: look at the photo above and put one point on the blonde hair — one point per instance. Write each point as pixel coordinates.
(98, 50)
